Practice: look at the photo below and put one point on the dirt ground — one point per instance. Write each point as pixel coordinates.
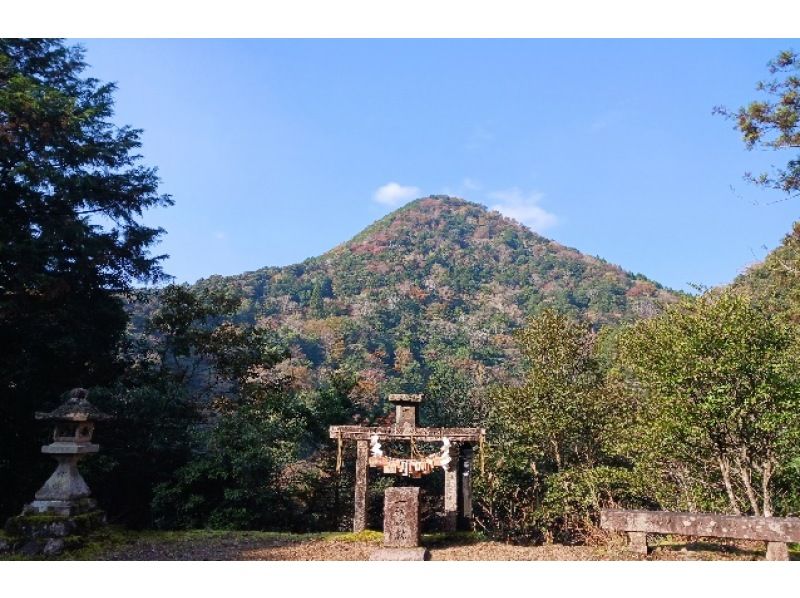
(338, 547)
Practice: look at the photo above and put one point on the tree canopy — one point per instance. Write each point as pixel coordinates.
(719, 396)
(72, 189)
(773, 122)
(552, 455)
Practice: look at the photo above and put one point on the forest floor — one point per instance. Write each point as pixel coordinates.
(116, 544)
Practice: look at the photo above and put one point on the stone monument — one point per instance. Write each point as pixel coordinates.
(400, 527)
(63, 506)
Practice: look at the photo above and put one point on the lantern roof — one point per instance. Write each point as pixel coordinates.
(76, 408)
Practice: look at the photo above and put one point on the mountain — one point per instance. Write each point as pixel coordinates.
(439, 283)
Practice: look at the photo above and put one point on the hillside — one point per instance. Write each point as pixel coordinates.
(775, 282)
(440, 283)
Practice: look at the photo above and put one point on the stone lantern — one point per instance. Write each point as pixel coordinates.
(65, 493)
(62, 513)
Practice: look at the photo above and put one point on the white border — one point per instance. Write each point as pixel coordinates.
(408, 18)
(402, 580)
(402, 18)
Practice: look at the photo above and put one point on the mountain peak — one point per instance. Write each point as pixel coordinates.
(440, 279)
(452, 218)
(458, 258)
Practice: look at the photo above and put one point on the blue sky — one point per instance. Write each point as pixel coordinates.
(278, 150)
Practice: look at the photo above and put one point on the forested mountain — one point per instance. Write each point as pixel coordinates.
(439, 284)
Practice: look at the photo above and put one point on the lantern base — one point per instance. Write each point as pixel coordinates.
(48, 534)
(63, 508)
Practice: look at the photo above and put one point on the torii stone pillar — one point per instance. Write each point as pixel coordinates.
(362, 480)
(466, 486)
(451, 491)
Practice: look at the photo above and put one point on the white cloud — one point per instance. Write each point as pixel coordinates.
(394, 194)
(220, 235)
(470, 184)
(524, 208)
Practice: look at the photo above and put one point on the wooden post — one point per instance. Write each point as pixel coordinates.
(466, 487)
(637, 542)
(777, 551)
(362, 476)
(451, 491)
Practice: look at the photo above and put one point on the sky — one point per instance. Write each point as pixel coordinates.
(278, 150)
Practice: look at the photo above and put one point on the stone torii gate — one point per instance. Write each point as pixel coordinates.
(457, 470)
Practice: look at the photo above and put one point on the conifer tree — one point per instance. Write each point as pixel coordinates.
(71, 190)
(773, 122)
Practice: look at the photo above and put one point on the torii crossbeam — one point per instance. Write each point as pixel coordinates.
(457, 473)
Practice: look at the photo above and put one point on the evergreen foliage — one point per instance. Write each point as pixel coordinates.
(71, 190)
(774, 122)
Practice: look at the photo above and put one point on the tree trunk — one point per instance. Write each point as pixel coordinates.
(556, 453)
(725, 469)
(766, 477)
(744, 473)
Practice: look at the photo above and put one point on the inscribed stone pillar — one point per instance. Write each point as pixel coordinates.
(451, 491)
(362, 475)
(401, 518)
(466, 486)
(401, 533)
